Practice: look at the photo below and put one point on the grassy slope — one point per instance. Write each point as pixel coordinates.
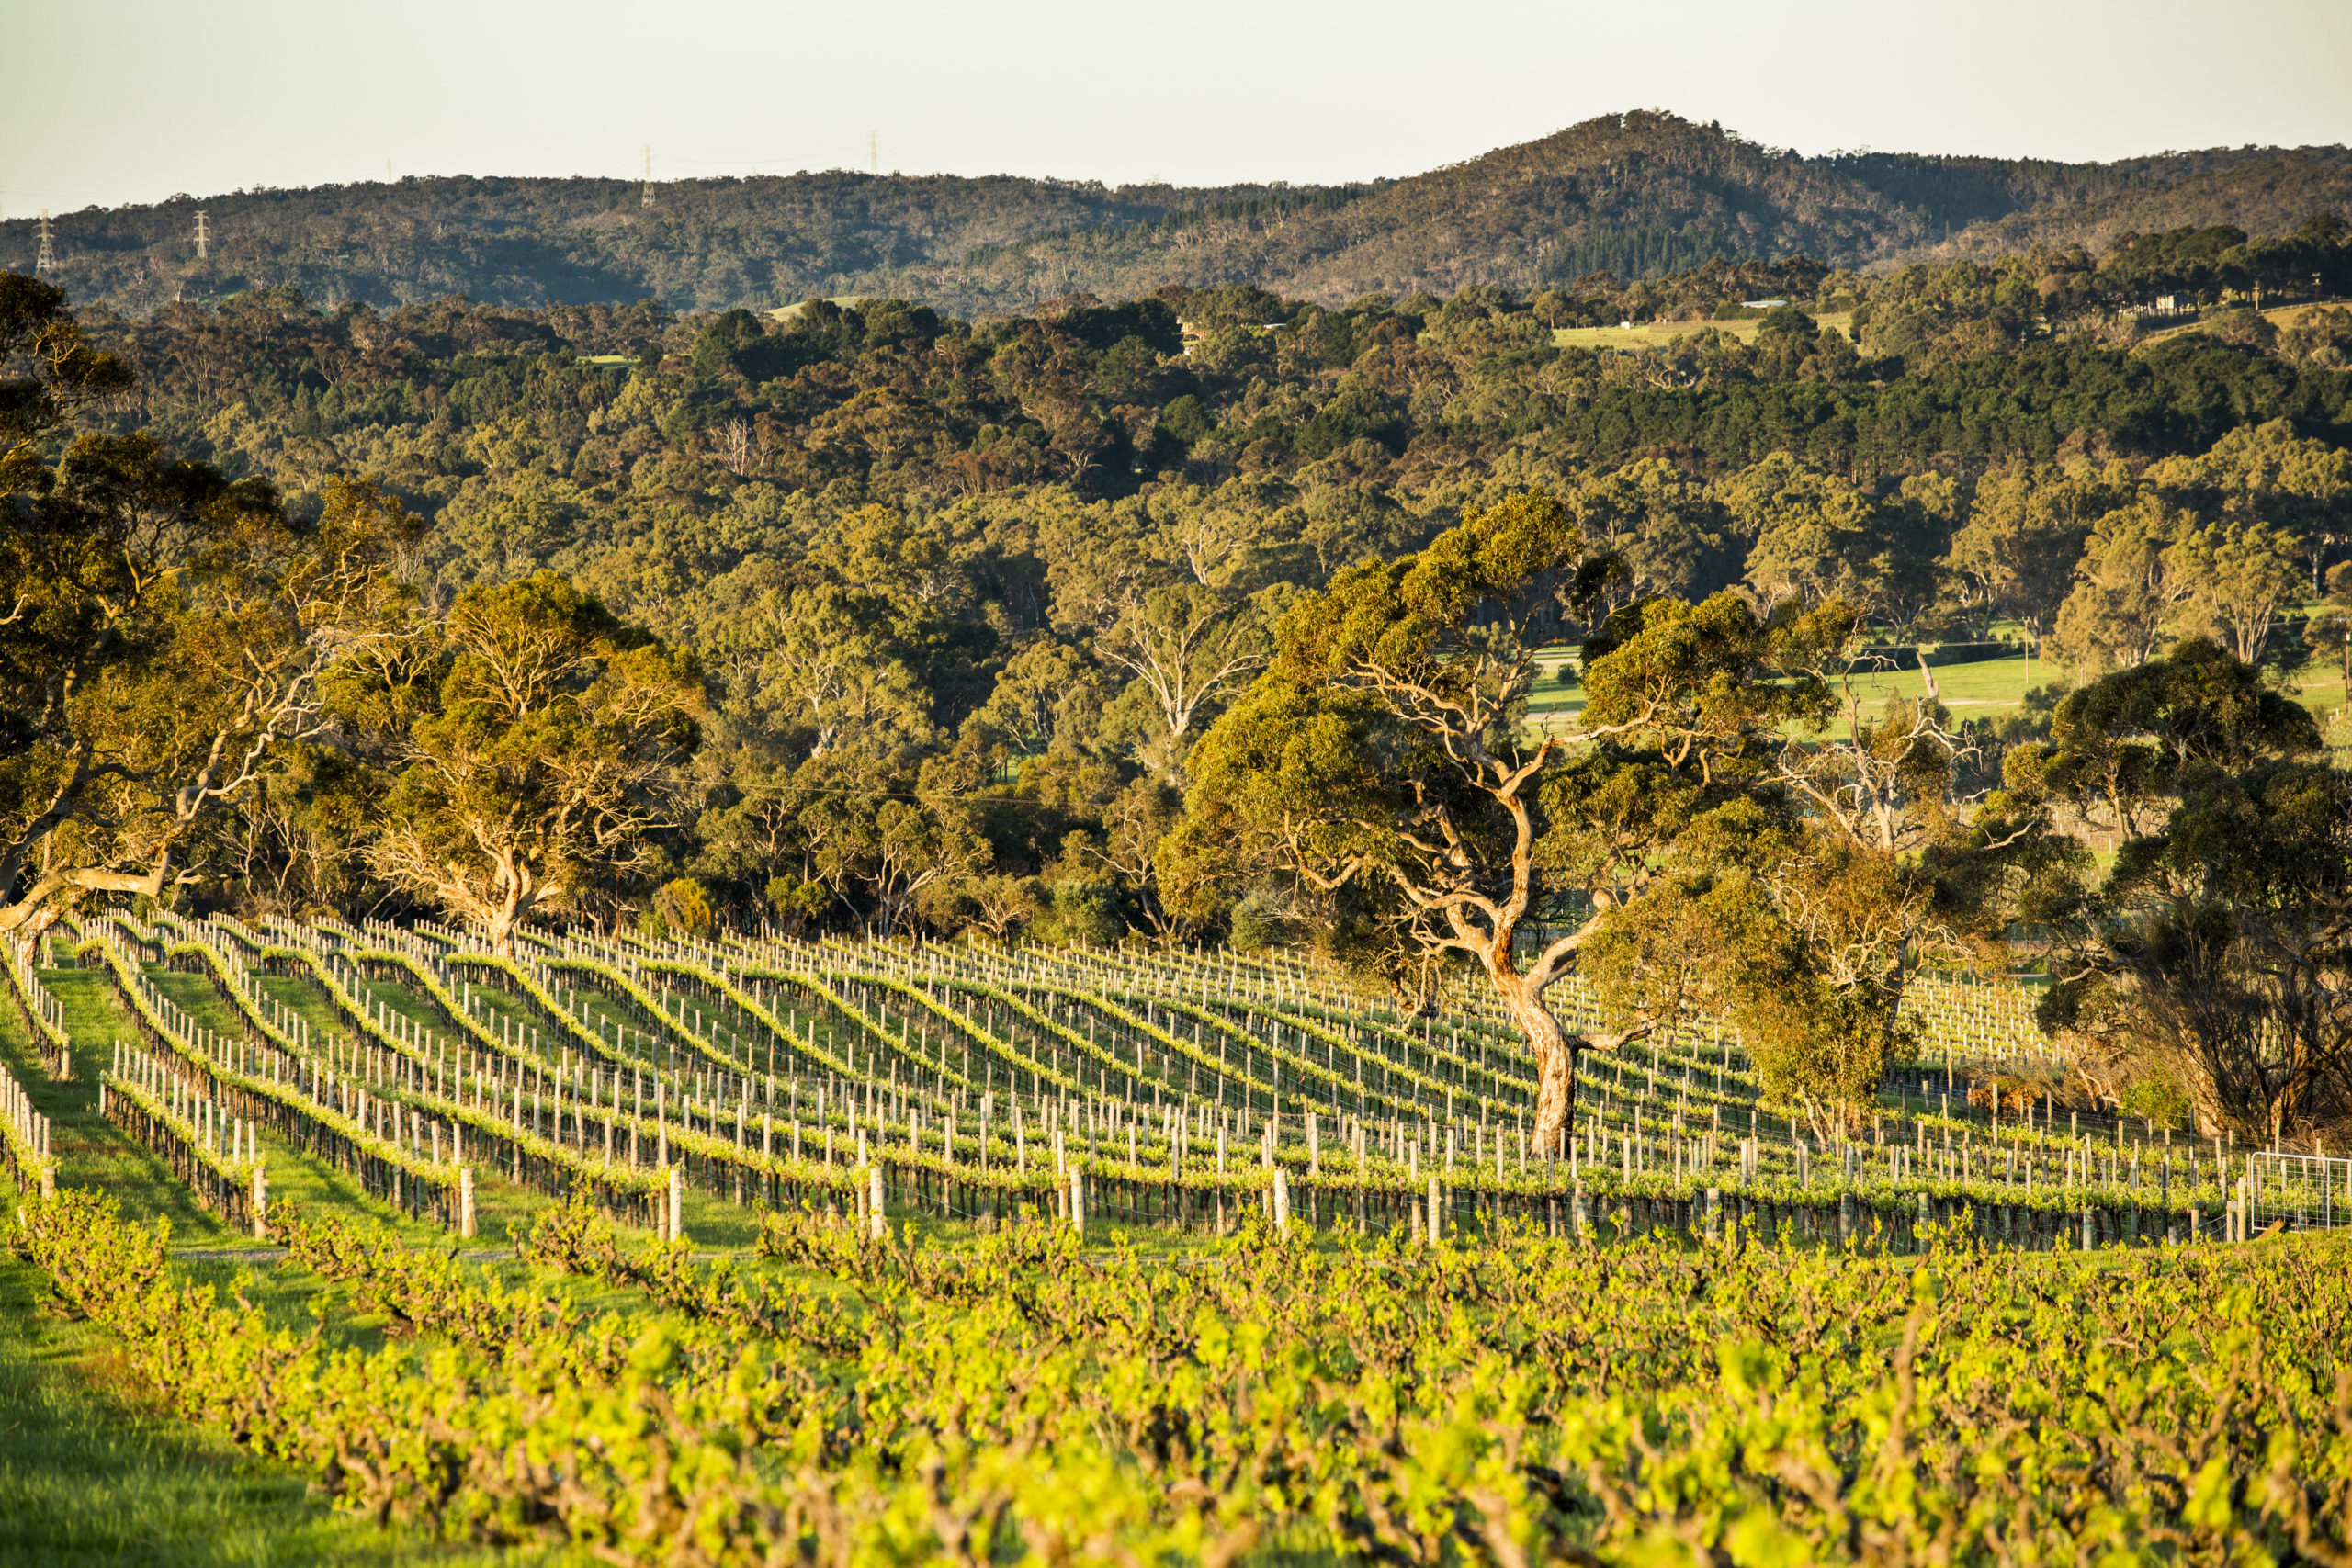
(93, 1478)
(90, 1477)
(1991, 688)
(90, 1153)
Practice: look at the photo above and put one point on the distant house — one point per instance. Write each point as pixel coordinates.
(1760, 304)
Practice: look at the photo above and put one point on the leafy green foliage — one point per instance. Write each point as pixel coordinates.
(1016, 1401)
(167, 625)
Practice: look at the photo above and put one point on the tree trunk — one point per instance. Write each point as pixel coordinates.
(41, 905)
(28, 936)
(1555, 1060)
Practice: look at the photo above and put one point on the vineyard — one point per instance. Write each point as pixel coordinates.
(756, 1250)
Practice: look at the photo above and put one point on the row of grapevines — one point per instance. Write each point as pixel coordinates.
(1018, 1401)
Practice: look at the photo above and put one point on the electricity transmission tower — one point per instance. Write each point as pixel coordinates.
(874, 151)
(203, 239)
(47, 260)
(648, 200)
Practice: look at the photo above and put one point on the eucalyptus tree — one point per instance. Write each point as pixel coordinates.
(1729, 823)
(164, 628)
(537, 743)
(2211, 958)
(1383, 764)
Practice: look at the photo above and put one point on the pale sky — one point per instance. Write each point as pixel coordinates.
(134, 100)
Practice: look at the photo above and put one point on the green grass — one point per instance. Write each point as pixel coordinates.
(90, 1152)
(1995, 688)
(2319, 687)
(92, 1476)
(1986, 688)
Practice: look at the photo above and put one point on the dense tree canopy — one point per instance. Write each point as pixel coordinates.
(2211, 963)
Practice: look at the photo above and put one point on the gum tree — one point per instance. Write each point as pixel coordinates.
(1728, 825)
(537, 743)
(163, 630)
(1381, 763)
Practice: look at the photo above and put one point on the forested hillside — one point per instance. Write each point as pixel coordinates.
(965, 597)
(1636, 195)
(2264, 192)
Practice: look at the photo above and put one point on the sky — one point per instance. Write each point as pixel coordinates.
(141, 99)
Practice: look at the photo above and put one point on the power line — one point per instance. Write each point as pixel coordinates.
(203, 238)
(648, 200)
(47, 261)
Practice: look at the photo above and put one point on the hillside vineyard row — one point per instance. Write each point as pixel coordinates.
(1185, 1092)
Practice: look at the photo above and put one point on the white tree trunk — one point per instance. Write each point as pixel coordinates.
(1556, 1055)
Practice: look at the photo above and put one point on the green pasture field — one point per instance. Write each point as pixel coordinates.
(1995, 688)
(1981, 688)
(1986, 688)
(1658, 334)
